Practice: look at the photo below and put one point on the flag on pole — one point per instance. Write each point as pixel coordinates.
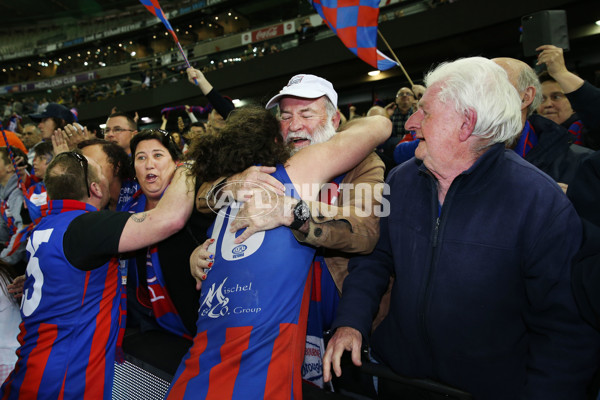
(355, 23)
(154, 8)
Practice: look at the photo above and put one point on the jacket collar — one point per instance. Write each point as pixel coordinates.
(479, 174)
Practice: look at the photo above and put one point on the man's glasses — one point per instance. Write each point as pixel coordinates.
(116, 130)
(84, 165)
(404, 95)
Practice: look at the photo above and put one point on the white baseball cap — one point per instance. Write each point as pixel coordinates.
(306, 86)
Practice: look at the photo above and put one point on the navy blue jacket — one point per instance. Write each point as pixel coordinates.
(586, 102)
(482, 298)
(555, 153)
(584, 193)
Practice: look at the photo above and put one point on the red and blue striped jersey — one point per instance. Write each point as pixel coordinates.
(70, 319)
(252, 317)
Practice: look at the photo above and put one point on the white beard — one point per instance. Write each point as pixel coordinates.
(321, 134)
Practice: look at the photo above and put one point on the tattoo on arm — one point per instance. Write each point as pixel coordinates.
(139, 217)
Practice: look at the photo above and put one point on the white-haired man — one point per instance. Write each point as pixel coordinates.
(480, 243)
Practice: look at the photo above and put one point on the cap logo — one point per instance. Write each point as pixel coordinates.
(295, 80)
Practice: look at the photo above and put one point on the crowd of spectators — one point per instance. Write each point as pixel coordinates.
(155, 75)
(492, 233)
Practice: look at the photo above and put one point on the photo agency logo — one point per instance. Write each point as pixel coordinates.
(263, 200)
(366, 199)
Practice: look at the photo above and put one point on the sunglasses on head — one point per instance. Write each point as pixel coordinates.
(84, 165)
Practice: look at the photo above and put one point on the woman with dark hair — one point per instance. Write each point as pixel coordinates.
(161, 292)
(252, 318)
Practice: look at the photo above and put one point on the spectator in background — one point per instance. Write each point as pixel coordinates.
(55, 116)
(120, 128)
(36, 192)
(11, 203)
(117, 89)
(146, 79)
(542, 142)
(191, 132)
(265, 48)
(480, 243)
(249, 52)
(127, 85)
(557, 108)
(306, 32)
(42, 105)
(176, 136)
(222, 106)
(30, 136)
(572, 99)
(403, 108)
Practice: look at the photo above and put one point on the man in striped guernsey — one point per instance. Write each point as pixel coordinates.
(71, 309)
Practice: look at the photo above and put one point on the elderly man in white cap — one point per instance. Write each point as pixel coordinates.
(307, 110)
(344, 222)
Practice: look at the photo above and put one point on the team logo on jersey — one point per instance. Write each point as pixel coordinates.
(238, 251)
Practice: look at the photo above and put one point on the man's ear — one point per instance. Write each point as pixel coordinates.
(528, 97)
(9, 167)
(336, 120)
(95, 190)
(468, 125)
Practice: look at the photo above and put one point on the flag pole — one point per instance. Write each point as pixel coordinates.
(395, 58)
(156, 10)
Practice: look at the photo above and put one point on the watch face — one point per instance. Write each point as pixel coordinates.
(301, 211)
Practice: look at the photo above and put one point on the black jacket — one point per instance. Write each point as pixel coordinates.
(555, 153)
(584, 193)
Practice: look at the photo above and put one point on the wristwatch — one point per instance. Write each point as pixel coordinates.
(301, 215)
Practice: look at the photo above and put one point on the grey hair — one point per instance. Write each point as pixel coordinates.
(526, 78)
(330, 108)
(479, 84)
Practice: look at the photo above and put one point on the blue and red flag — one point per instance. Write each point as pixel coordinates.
(154, 8)
(355, 23)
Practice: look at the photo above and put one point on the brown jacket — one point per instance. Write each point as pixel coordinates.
(339, 230)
